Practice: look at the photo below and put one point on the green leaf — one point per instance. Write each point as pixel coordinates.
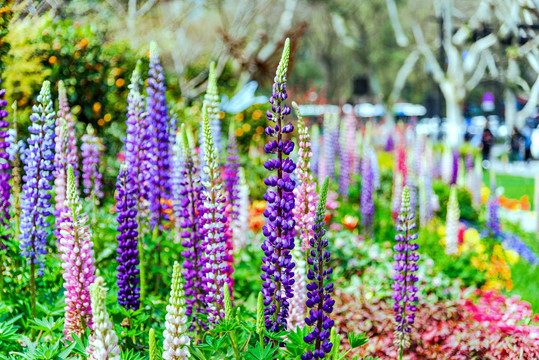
(357, 340)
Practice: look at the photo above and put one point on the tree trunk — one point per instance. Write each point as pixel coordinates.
(510, 109)
(454, 118)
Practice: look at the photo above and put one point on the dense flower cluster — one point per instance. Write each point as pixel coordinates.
(191, 214)
(367, 189)
(452, 223)
(5, 174)
(216, 268)
(39, 165)
(64, 112)
(277, 266)
(405, 290)
(159, 125)
(176, 343)
(347, 151)
(211, 100)
(76, 250)
(319, 289)
(331, 145)
(128, 261)
(91, 151)
(103, 343)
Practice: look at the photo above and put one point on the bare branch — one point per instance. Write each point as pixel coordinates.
(529, 108)
(437, 72)
(401, 39)
(147, 6)
(477, 74)
(402, 75)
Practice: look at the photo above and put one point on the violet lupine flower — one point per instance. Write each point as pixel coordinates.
(176, 343)
(425, 193)
(192, 220)
(405, 290)
(138, 142)
(128, 272)
(5, 174)
(91, 151)
(447, 165)
(331, 144)
(367, 189)
(64, 112)
(156, 105)
(452, 223)
(217, 269)
(315, 148)
(305, 192)
(492, 218)
(454, 167)
(103, 343)
(232, 178)
(304, 213)
(319, 287)
(345, 160)
(37, 181)
(277, 266)
(375, 169)
(77, 253)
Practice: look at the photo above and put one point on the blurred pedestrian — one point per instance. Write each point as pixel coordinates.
(486, 142)
(517, 145)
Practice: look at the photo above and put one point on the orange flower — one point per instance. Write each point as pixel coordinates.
(350, 222)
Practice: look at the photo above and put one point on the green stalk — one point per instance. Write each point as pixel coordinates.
(140, 246)
(33, 287)
(1, 274)
(234, 345)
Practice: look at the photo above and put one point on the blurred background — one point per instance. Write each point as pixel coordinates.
(452, 67)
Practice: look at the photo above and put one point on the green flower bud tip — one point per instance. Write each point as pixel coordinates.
(283, 64)
(154, 50)
(260, 314)
(336, 341)
(72, 196)
(228, 303)
(321, 209)
(153, 346)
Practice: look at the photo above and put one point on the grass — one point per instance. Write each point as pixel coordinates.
(514, 186)
(524, 278)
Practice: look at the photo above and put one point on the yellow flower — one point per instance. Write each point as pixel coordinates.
(485, 191)
(441, 230)
(512, 256)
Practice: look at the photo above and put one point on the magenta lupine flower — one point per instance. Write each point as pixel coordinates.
(277, 265)
(406, 257)
(217, 269)
(319, 287)
(192, 220)
(64, 112)
(241, 230)
(128, 261)
(5, 173)
(304, 213)
(91, 151)
(367, 189)
(156, 105)
(38, 160)
(77, 253)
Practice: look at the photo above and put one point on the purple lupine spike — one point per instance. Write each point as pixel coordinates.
(315, 148)
(91, 151)
(37, 181)
(367, 189)
(277, 266)
(455, 167)
(493, 218)
(138, 141)
(405, 290)
(128, 261)
(191, 212)
(331, 139)
(5, 173)
(156, 105)
(217, 269)
(64, 112)
(232, 178)
(319, 287)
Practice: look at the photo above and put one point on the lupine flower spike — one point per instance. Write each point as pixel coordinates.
(241, 229)
(304, 213)
(103, 344)
(452, 223)
(405, 290)
(211, 100)
(191, 212)
(152, 348)
(367, 190)
(158, 119)
(64, 112)
(60, 164)
(277, 265)
(91, 151)
(176, 343)
(76, 249)
(232, 189)
(5, 173)
(128, 256)
(217, 271)
(39, 157)
(319, 287)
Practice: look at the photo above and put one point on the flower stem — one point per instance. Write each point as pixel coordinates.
(33, 287)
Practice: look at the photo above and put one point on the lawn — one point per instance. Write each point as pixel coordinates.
(514, 186)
